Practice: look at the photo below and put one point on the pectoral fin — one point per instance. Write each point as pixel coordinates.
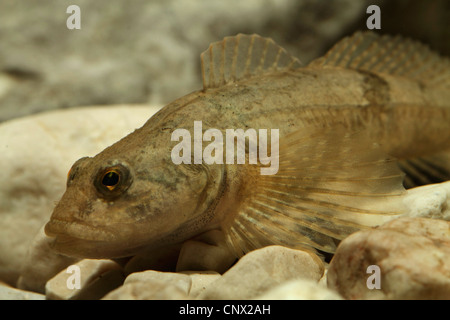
(330, 184)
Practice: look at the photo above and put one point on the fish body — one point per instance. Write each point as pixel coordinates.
(344, 123)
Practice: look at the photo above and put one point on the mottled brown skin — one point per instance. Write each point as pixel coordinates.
(166, 203)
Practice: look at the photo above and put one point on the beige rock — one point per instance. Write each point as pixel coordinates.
(147, 290)
(153, 285)
(36, 154)
(182, 281)
(96, 279)
(323, 280)
(200, 280)
(206, 252)
(299, 289)
(430, 201)
(263, 269)
(41, 264)
(9, 293)
(149, 285)
(412, 254)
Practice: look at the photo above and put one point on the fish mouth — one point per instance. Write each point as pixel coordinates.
(77, 230)
(81, 241)
(73, 239)
(84, 249)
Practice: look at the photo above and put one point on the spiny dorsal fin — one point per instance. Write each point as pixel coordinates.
(243, 56)
(391, 55)
(330, 183)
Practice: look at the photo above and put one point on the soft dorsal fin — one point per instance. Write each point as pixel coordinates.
(386, 54)
(243, 56)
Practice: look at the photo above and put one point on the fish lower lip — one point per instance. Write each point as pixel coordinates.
(59, 240)
(74, 247)
(88, 249)
(76, 230)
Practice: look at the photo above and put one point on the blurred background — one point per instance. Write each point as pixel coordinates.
(135, 52)
(147, 51)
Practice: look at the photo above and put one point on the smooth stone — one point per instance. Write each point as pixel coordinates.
(182, 281)
(41, 264)
(100, 286)
(299, 289)
(261, 270)
(412, 254)
(323, 280)
(147, 290)
(97, 278)
(9, 293)
(153, 285)
(206, 252)
(430, 201)
(200, 280)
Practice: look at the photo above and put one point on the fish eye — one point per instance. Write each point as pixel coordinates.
(112, 181)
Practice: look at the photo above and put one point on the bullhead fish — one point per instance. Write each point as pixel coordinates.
(354, 128)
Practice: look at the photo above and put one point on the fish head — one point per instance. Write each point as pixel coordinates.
(118, 203)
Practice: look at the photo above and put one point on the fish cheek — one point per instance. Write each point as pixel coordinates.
(139, 211)
(167, 202)
(85, 208)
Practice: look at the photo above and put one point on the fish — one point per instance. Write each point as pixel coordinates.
(356, 128)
